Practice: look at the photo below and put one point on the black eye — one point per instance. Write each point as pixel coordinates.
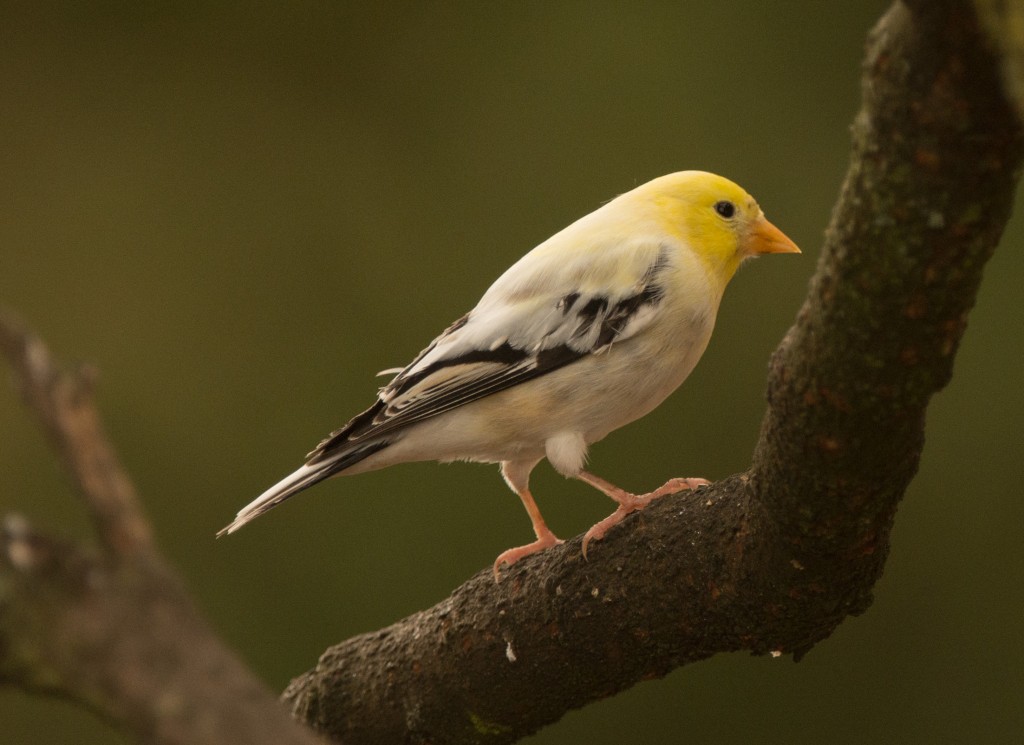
(725, 209)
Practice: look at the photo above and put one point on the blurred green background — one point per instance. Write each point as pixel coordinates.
(240, 212)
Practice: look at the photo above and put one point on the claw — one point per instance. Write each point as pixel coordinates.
(633, 502)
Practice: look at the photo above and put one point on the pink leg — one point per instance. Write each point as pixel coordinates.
(517, 476)
(628, 502)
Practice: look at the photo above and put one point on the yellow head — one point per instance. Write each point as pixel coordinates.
(715, 217)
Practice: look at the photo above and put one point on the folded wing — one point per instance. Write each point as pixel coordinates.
(509, 338)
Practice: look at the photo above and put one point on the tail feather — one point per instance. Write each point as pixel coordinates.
(300, 480)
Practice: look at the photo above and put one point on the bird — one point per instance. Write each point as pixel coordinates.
(587, 332)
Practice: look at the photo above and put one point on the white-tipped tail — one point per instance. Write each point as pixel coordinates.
(286, 487)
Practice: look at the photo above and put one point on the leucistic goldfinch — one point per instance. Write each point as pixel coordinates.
(587, 332)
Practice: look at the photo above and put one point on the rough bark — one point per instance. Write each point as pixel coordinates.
(770, 561)
(114, 627)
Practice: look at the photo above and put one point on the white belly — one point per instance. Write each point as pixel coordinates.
(588, 399)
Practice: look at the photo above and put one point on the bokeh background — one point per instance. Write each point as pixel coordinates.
(240, 212)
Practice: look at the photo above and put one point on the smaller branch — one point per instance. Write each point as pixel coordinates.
(115, 630)
(64, 403)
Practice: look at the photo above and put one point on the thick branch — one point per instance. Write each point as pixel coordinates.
(114, 630)
(936, 152)
(775, 559)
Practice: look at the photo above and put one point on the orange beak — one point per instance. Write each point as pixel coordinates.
(765, 238)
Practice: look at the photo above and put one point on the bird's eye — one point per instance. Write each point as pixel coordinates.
(725, 209)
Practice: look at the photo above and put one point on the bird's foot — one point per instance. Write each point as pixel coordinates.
(632, 502)
(513, 555)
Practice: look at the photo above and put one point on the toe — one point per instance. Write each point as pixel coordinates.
(598, 530)
(674, 485)
(513, 555)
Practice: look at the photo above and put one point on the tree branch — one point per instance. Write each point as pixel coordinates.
(774, 559)
(114, 629)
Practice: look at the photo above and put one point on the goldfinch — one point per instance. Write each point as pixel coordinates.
(587, 332)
